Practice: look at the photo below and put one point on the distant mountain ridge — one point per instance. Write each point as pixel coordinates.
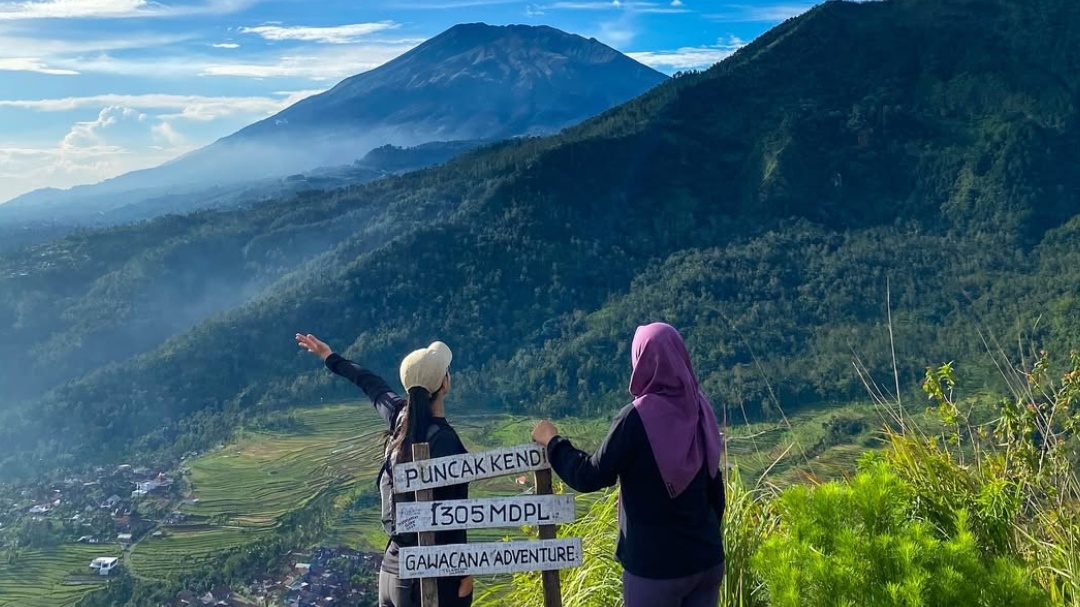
(140, 205)
(472, 82)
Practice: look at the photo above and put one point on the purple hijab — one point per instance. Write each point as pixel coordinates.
(679, 420)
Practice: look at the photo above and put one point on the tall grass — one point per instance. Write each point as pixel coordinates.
(597, 582)
(1016, 473)
(749, 520)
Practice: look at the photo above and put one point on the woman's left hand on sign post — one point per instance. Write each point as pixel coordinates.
(466, 587)
(312, 344)
(544, 432)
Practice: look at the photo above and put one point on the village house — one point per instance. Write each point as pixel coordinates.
(175, 517)
(217, 595)
(325, 579)
(104, 565)
(146, 487)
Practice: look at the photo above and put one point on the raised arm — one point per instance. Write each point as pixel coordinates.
(584, 472)
(387, 403)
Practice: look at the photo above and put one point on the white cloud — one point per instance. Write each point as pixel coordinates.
(189, 107)
(130, 132)
(117, 141)
(52, 9)
(340, 34)
(447, 4)
(321, 65)
(775, 13)
(14, 46)
(165, 131)
(692, 57)
(672, 9)
(617, 33)
(91, 134)
(26, 169)
(676, 3)
(584, 6)
(228, 45)
(626, 5)
(26, 64)
(112, 9)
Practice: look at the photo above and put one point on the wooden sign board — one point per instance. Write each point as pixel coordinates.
(492, 558)
(488, 513)
(460, 469)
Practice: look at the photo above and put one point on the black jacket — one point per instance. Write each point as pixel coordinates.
(443, 442)
(659, 537)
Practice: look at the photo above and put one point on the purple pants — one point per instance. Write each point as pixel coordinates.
(701, 590)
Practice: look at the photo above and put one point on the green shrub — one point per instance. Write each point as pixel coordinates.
(857, 543)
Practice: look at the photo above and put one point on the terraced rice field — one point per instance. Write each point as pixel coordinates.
(180, 552)
(244, 489)
(42, 578)
(358, 528)
(253, 483)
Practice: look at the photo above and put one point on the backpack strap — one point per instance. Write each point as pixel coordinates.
(389, 497)
(432, 431)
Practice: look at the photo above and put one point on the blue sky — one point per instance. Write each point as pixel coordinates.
(90, 89)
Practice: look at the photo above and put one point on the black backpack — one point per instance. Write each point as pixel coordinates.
(385, 482)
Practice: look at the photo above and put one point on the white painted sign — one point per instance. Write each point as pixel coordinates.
(459, 469)
(413, 517)
(492, 558)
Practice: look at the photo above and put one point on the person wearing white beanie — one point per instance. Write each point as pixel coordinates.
(420, 417)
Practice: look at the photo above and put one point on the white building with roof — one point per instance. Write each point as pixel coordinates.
(104, 565)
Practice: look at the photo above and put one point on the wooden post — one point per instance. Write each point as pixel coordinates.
(429, 588)
(552, 585)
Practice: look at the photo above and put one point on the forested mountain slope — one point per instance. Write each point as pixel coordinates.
(763, 206)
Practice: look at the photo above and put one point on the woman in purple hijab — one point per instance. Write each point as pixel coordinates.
(664, 451)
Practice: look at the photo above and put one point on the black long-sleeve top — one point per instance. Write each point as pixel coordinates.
(444, 442)
(659, 537)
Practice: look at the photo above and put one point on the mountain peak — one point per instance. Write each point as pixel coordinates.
(474, 81)
(480, 29)
(478, 43)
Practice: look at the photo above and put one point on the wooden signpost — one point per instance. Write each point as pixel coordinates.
(425, 516)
